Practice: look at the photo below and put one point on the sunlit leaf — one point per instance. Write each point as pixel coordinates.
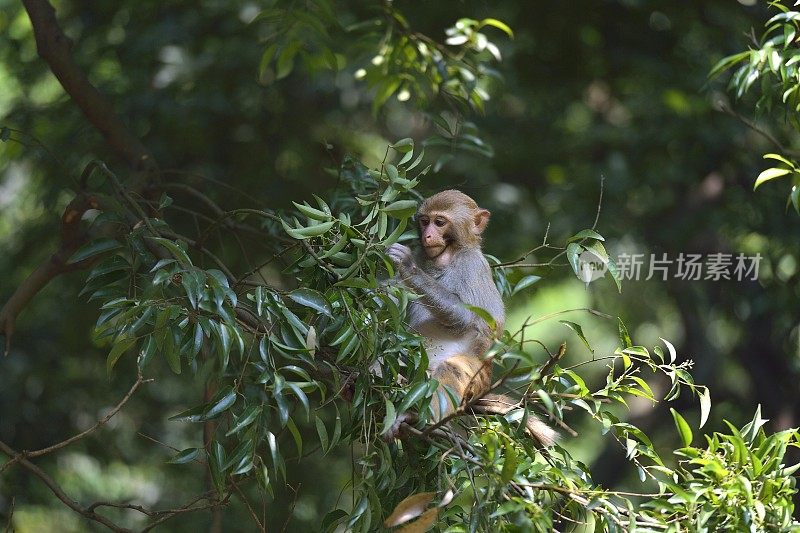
(683, 427)
(499, 25)
(579, 331)
(770, 174)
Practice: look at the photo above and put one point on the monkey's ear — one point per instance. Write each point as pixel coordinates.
(481, 220)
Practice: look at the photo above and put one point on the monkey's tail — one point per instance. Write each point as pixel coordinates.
(499, 404)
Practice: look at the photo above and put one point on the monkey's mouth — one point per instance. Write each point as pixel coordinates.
(435, 251)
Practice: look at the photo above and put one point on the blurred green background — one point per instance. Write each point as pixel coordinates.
(591, 90)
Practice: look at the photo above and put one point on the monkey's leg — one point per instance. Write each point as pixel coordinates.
(466, 375)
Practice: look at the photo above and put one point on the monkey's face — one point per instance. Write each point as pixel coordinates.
(434, 231)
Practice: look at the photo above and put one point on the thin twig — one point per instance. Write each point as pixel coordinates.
(292, 506)
(25, 454)
(253, 514)
(11, 515)
(758, 129)
(56, 489)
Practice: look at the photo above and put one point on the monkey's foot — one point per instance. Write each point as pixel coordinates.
(396, 431)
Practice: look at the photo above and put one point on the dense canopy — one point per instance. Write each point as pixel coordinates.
(196, 199)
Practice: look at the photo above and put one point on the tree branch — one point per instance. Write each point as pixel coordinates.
(100, 422)
(72, 237)
(54, 48)
(56, 489)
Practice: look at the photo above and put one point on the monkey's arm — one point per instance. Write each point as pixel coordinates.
(443, 304)
(447, 306)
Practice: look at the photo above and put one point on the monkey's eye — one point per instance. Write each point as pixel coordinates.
(440, 222)
(424, 221)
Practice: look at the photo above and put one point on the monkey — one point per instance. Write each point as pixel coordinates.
(450, 273)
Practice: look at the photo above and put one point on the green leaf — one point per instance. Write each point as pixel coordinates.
(673, 355)
(323, 434)
(639, 351)
(280, 401)
(389, 418)
(524, 283)
(497, 24)
(171, 354)
(397, 233)
(332, 518)
(510, 463)
(401, 208)
(313, 299)
(683, 427)
(770, 174)
(176, 251)
(579, 331)
(310, 231)
(216, 460)
(92, 249)
(266, 58)
(794, 197)
(386, 88)
(356, 283)
(222, 405)
(391, 172)
(546, 400)
(413, 396)
(586, 234)
(624, 336)
(574, 251)
(484, 314)
(298, 439)
(705, 406)
(616, 275)
(146, 352)
(120, 347)
(186, 456)
(780, 158)
(301, 396)
(404, 145)
(240, 457)
(285, 63)
(727, 62)
(247, 418)
(310, 212)
(165, 201)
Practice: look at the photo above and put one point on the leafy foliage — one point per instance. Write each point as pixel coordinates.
(774, 62)
(329, 364)
(284, 360)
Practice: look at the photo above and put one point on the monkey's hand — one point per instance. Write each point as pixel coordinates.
(396, 432)
(403, 260)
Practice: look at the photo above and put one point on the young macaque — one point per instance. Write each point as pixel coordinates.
(450, 273)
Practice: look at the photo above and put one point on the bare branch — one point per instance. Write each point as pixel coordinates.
(722, 106)
(98, 424)
(11, 515)
(72, 237)
(291, 508)
(56, 489)
(253, 514)
(23, 454)
(54, 47)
